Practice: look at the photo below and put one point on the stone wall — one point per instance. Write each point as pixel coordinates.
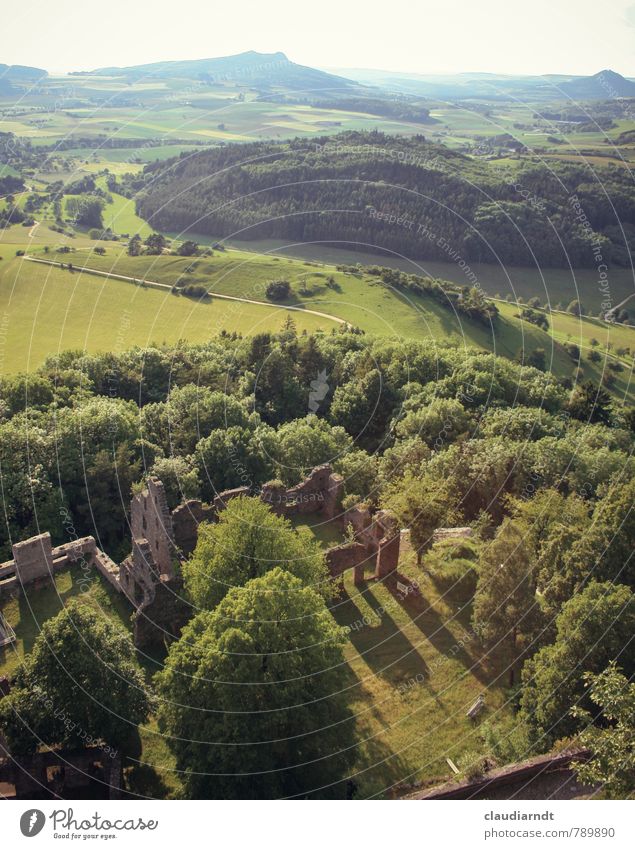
(33, 558)
(150, 519)
(162, 614)
(185, 521)
(349, 555)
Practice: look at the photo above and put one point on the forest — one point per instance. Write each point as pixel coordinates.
(404, 195)
(542, 473)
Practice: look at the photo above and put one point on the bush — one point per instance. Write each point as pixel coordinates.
(188, 248)
(192, 291)
(278, 290)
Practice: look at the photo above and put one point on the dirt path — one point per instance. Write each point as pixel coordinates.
(33, 229)
(153, 284)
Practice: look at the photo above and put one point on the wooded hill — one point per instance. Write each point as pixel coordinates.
(398, 194)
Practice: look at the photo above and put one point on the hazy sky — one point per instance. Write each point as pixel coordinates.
(538, 36)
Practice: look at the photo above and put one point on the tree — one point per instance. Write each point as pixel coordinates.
(590, 403)
(278, 290)
(86, 211)
(612, 746)
(604, 546)
(179, 479)
(575, 308)
(363, 407)
(108, 483)
(537, 359)
(247, 542)
(290, 731)
(188, 248)
(592, 630)
(134, 245)
(81, 680)
(423, 504)
(302, 444)
(505, 606)
(155, 243)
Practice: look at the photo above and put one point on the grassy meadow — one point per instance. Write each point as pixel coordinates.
(47, 309)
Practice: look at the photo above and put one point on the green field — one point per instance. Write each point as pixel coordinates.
(48, 309)
(363, 302)
(551, 285)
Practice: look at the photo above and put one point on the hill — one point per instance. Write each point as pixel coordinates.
(395, 194)
(601, 86)
(21, 72)
(465, 86)
(10, 75)
(257, 69)
(49, 308)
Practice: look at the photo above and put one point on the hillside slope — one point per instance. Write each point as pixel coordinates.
(404, 195)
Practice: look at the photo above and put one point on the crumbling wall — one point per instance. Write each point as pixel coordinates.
(319, 492)
(223, 498)
(349, 555)
(33, 558)
(150, 519)
(162, 615)
(185, 521)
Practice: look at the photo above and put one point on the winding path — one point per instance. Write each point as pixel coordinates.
(153, 284)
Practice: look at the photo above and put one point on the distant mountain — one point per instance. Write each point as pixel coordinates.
(602, 86)
(20, 74)
(262, 70)
(605, 85)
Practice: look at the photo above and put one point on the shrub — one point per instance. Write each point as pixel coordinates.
(278, 290)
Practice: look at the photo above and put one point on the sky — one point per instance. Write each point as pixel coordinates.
(417, 36)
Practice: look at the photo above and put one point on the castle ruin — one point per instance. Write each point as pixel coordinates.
(161, 539)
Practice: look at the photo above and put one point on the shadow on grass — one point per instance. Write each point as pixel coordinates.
(382, 646)
(423, 615)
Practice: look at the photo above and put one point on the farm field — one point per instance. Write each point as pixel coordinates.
(382, 311)
(47, 310)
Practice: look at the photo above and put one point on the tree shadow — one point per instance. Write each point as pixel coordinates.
(423, 615)
(141, 779)
(381, 644)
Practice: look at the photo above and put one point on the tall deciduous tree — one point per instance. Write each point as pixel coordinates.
(612, 745)
(254, 701)
(80, 681)
(248, 541)
(593, 629)
(422, 504)
(505, 606)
